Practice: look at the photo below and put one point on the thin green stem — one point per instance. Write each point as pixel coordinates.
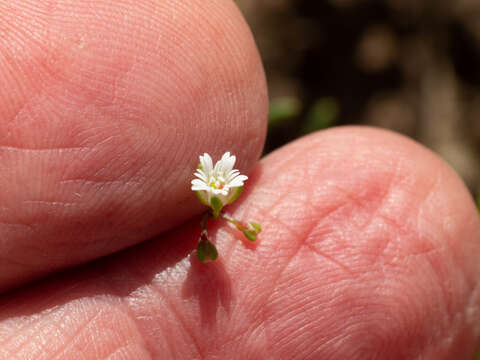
(206, 251)
(239, 225)
(204, 221)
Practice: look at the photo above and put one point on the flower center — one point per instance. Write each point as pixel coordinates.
(217, 183)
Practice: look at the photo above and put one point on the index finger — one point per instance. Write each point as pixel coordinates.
(105, 108)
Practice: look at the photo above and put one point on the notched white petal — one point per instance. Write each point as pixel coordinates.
(201, 175)
(229, 163)
(232, 174)
(225, 156)
(206, 162)
(238, 181)
(198, 184)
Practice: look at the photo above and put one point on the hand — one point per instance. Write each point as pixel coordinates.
(370, 243)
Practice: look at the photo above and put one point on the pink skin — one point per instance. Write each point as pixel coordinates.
(105, 109)
(370, 244)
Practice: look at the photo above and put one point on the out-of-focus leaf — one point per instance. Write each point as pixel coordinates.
(477, 357)
(323, 114)
(478, 207)
(283, 108)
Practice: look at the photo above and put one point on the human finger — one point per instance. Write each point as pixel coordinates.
(369, 250)
(105, 107)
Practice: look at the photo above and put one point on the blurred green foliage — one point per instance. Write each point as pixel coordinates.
(321, 115)
(283, 109)
(290, 118)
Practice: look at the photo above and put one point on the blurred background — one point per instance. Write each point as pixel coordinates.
(412, 66)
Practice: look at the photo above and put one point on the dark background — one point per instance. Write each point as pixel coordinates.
(412, 66)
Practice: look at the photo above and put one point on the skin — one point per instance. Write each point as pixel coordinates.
(370, 244)
(104, 113)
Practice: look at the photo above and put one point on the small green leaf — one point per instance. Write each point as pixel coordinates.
(322, 115)
(206, 251)
(283, 109)
(256, 226)
(236, 194)
(250, 234)
(201, 198)
(216, 205)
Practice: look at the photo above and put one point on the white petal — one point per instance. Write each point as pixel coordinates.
(198, 188)
(231, 174)
(206, 162)
(237, 175)
(226, 155)
(225, 164)
(237, 181)
(228, 163)
(198, 184)
(201, 175)
(194, 188)
(217, 169)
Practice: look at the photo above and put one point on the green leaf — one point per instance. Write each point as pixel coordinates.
(477, 357)
(478, 206)
(216, 205)
(256, 226)
(202, 199)
(206, 251)
(323, 114)
(236, 194)
(250, 234)
(283, 109)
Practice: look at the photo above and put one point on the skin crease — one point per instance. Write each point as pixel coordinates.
(105, 107)
(370, 242)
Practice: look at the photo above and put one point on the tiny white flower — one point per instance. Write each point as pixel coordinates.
(220, 181)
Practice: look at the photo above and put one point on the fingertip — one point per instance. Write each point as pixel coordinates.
(105, 111)
(385, 228)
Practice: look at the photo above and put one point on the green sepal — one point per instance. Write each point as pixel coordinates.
(216, 205)
(256, 226)
(250, 234)
(201, 198)
(206, 251)
(236, 194)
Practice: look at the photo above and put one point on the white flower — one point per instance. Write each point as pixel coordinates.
(221, 181)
